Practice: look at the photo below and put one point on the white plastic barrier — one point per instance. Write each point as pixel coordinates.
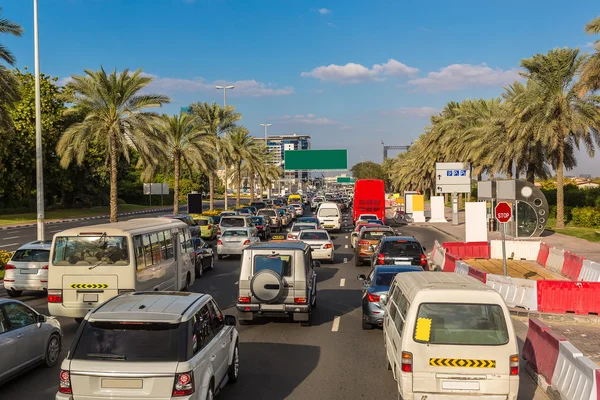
(517, 249)
(574, 374)
(438, 255)
(590, 272)
(515, 291)
(461, 268)
(556, 259)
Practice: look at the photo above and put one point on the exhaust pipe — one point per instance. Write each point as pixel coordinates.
(380, 323)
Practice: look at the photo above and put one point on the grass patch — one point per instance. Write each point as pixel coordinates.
(589, 234)
(8, 219)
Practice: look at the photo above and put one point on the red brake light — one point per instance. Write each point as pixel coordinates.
(290, 236)
(327, 246)
(184, 384)
(45, 267)
(64, 385)
(423, 260)
(406, 361)
(55, 296)
(209, 227)
(9, 266)
(259, 226)
(246, 242)
(373, 298)
(299, 300)
(380, 259)
(219, 242)
(244, 300)
(514, 364)
(363, 242)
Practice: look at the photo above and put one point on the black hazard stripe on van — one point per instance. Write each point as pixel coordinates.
(461, 362)
(89, 286)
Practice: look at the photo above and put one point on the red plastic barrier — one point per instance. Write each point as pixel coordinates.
(449, 263)
(477, 274)
(541, 348)
(572, 265)
(468, 250)
(543, 254)
(566, 296)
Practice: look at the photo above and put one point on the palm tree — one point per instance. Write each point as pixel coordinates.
(241, 148)
(182, 139)
(257, 161)
(590, 69)
(217, 120)
(8, 83)
(116, 116)
(223, 147)
(560, 117)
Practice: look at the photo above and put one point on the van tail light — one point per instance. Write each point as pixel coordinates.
(55, 296)
(373, 298)
(380, 259)
(45, 267)
(184, 384)
(328, 246)
(244, 299)
(363, 242)
(514, 364)
(339, 220)
(299, 300)
(247, 242)
(407, 360)
(9, 266)
(64, 385)
(219, 242)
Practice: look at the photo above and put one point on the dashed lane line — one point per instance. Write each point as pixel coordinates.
(343, 282)
(336, 324)
(11, 237)
(346, 246)
(8, 245)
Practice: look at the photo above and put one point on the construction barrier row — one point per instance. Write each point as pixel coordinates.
(590, 272)
(572, 266)
(564, 368)
(555, 261)
(449, 262)
(468, 250)
(517, 292)
(462, 268)
(565, 296)
(438, 255)
(515, 249)
(543, 254)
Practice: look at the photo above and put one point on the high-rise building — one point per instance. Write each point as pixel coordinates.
(279, 144)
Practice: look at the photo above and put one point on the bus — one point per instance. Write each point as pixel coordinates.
(369, 198)
(91, 264)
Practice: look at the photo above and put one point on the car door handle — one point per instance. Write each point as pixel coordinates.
(19, 336)
(212, 358)
(223, 344)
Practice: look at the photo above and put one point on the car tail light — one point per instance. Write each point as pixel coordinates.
(514, 364)
(55, 296)
(9, 266)
(373, 298)
(64, 385)
(407, 360)
(290, 236)
(423, 261)
(209, 227)
(299, 300)
(363, 242)
(244, 299)
(219, 242)
(339, 220)
(259, 226)
(276, 220)
(328, 246)
(246, 242)
(380, 259)
(45, 267)
(184, 384)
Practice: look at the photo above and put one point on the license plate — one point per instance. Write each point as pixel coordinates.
(277, 237)
(90, 298)
(272, 307)
(123, 383)
(402, 262)
(327, 226)
(29, 271)
(459, 385)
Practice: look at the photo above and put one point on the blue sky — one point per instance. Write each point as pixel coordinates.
(349, 73)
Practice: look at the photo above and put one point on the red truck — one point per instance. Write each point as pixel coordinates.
(369, 198)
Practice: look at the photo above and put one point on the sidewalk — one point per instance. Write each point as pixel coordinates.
(589, 250)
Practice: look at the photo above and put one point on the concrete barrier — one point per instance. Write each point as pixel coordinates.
(516, 249)
(543, 254)
(574, 375)
(516, 292)
(461, 268)
(590, 272)
(449, 262)
(556, 260)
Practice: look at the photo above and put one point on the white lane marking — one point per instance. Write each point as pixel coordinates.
(11, 237)
(345, 261)
(343, 282)
(346, 246)
(346, 237)
(336, 324)
(8, 245)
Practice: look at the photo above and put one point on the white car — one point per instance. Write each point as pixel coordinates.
(299, 226)
(320, 243)
(154, 345)
(235, 240)
(367, 217)
(28, 268)
(299, 209)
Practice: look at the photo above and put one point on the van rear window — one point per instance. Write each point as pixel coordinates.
(232, 222)
(461, 324)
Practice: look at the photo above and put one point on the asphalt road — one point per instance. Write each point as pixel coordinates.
(332, 359)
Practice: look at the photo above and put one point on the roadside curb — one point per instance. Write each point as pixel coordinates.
(62, 221)
(441, 230)
(579, 319)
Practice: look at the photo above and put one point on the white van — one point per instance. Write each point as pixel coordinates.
(449, 336)
(330, 216)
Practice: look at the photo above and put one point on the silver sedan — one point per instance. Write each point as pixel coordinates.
(235, 240)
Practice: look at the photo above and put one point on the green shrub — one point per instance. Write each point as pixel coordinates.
(568, 213)
(587, 217)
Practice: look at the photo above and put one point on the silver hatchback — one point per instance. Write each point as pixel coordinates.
(28, 268)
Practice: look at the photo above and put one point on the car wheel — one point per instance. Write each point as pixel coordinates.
(199, 270)
(14, 293)
(186, 287)
(210, 394)
(234, 368)
(52, 351)
(212, 263)
(220, 256)
(366, 326)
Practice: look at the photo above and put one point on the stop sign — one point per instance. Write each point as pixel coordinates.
(503, 212)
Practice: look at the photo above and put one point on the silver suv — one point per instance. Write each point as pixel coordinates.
(277, 279)
(235, 221)
(158, 345)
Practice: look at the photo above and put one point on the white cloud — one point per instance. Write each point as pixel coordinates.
(590, 45)
(345, 127)
(355, 73)
(64, 81)
(303, 119)
(411, 111)
(460, 76)
(323, 11)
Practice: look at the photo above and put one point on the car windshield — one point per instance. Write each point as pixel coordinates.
(328, 212)
(91, 250)
(282, 264)
(375, 221)
(244, 210)
(401, 248)
(375, 235)
(227, 214)
(314, 236)
(232, 222)
(298, 228)
(34, 255)
(461, 324)
(128, 341)
(235, 233)
(384, 278)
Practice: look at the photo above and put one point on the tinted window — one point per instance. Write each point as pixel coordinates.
(19, 315)
(235, 233)
(91, 250)
(202, 222)
(232, 222)
(328, 212)
(375, 235)
(125, 341)
(270, 213)
(3, 322)
(278, 263)
(314, 236)
(298, 228)
(384, 278)
(31, 255)
(401, 249)
(202, 332)
(257, 220)
(216, 318)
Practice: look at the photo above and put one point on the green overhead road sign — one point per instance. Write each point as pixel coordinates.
(345, 179)
(315, 160)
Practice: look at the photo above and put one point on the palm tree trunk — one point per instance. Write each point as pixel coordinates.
(211, 189)
(560, 190)
(113, 178)
(177, 161)
(252, 183)
(531, 172)
(509, 172)
(239, 184)
(261, 186)
(225, 184)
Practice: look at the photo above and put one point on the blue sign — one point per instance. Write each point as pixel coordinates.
(449, 172)
(456, 172)
(463, 172)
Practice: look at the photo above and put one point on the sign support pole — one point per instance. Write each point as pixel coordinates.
(504, 246)
(454, 209)
(150, 194)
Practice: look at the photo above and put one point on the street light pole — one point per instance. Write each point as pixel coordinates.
(265, 125)
(224, 93)
(39, 165)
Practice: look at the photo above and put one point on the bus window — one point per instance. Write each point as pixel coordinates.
(168, 244)
(139, 253)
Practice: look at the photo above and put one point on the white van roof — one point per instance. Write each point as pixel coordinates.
(131, 225)
(412, 283)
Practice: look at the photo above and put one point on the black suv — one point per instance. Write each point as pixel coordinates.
(399, 250)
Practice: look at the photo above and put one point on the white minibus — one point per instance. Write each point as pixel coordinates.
(91, 264)
(330, 216)
(449, 336)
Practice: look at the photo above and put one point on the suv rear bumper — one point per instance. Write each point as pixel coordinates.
(247, 311)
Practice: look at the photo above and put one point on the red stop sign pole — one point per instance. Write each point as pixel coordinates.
(503, 213)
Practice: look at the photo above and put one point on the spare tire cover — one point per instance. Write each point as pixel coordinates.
(267, 286)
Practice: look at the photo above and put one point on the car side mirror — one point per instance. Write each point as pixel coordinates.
(41, 318)
(424, 248)
(383, 299)
(230, 320)
(316, 264)
(361, 277)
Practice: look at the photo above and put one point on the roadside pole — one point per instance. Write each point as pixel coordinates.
(504, 247)
(503, 213)
(454, 208)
